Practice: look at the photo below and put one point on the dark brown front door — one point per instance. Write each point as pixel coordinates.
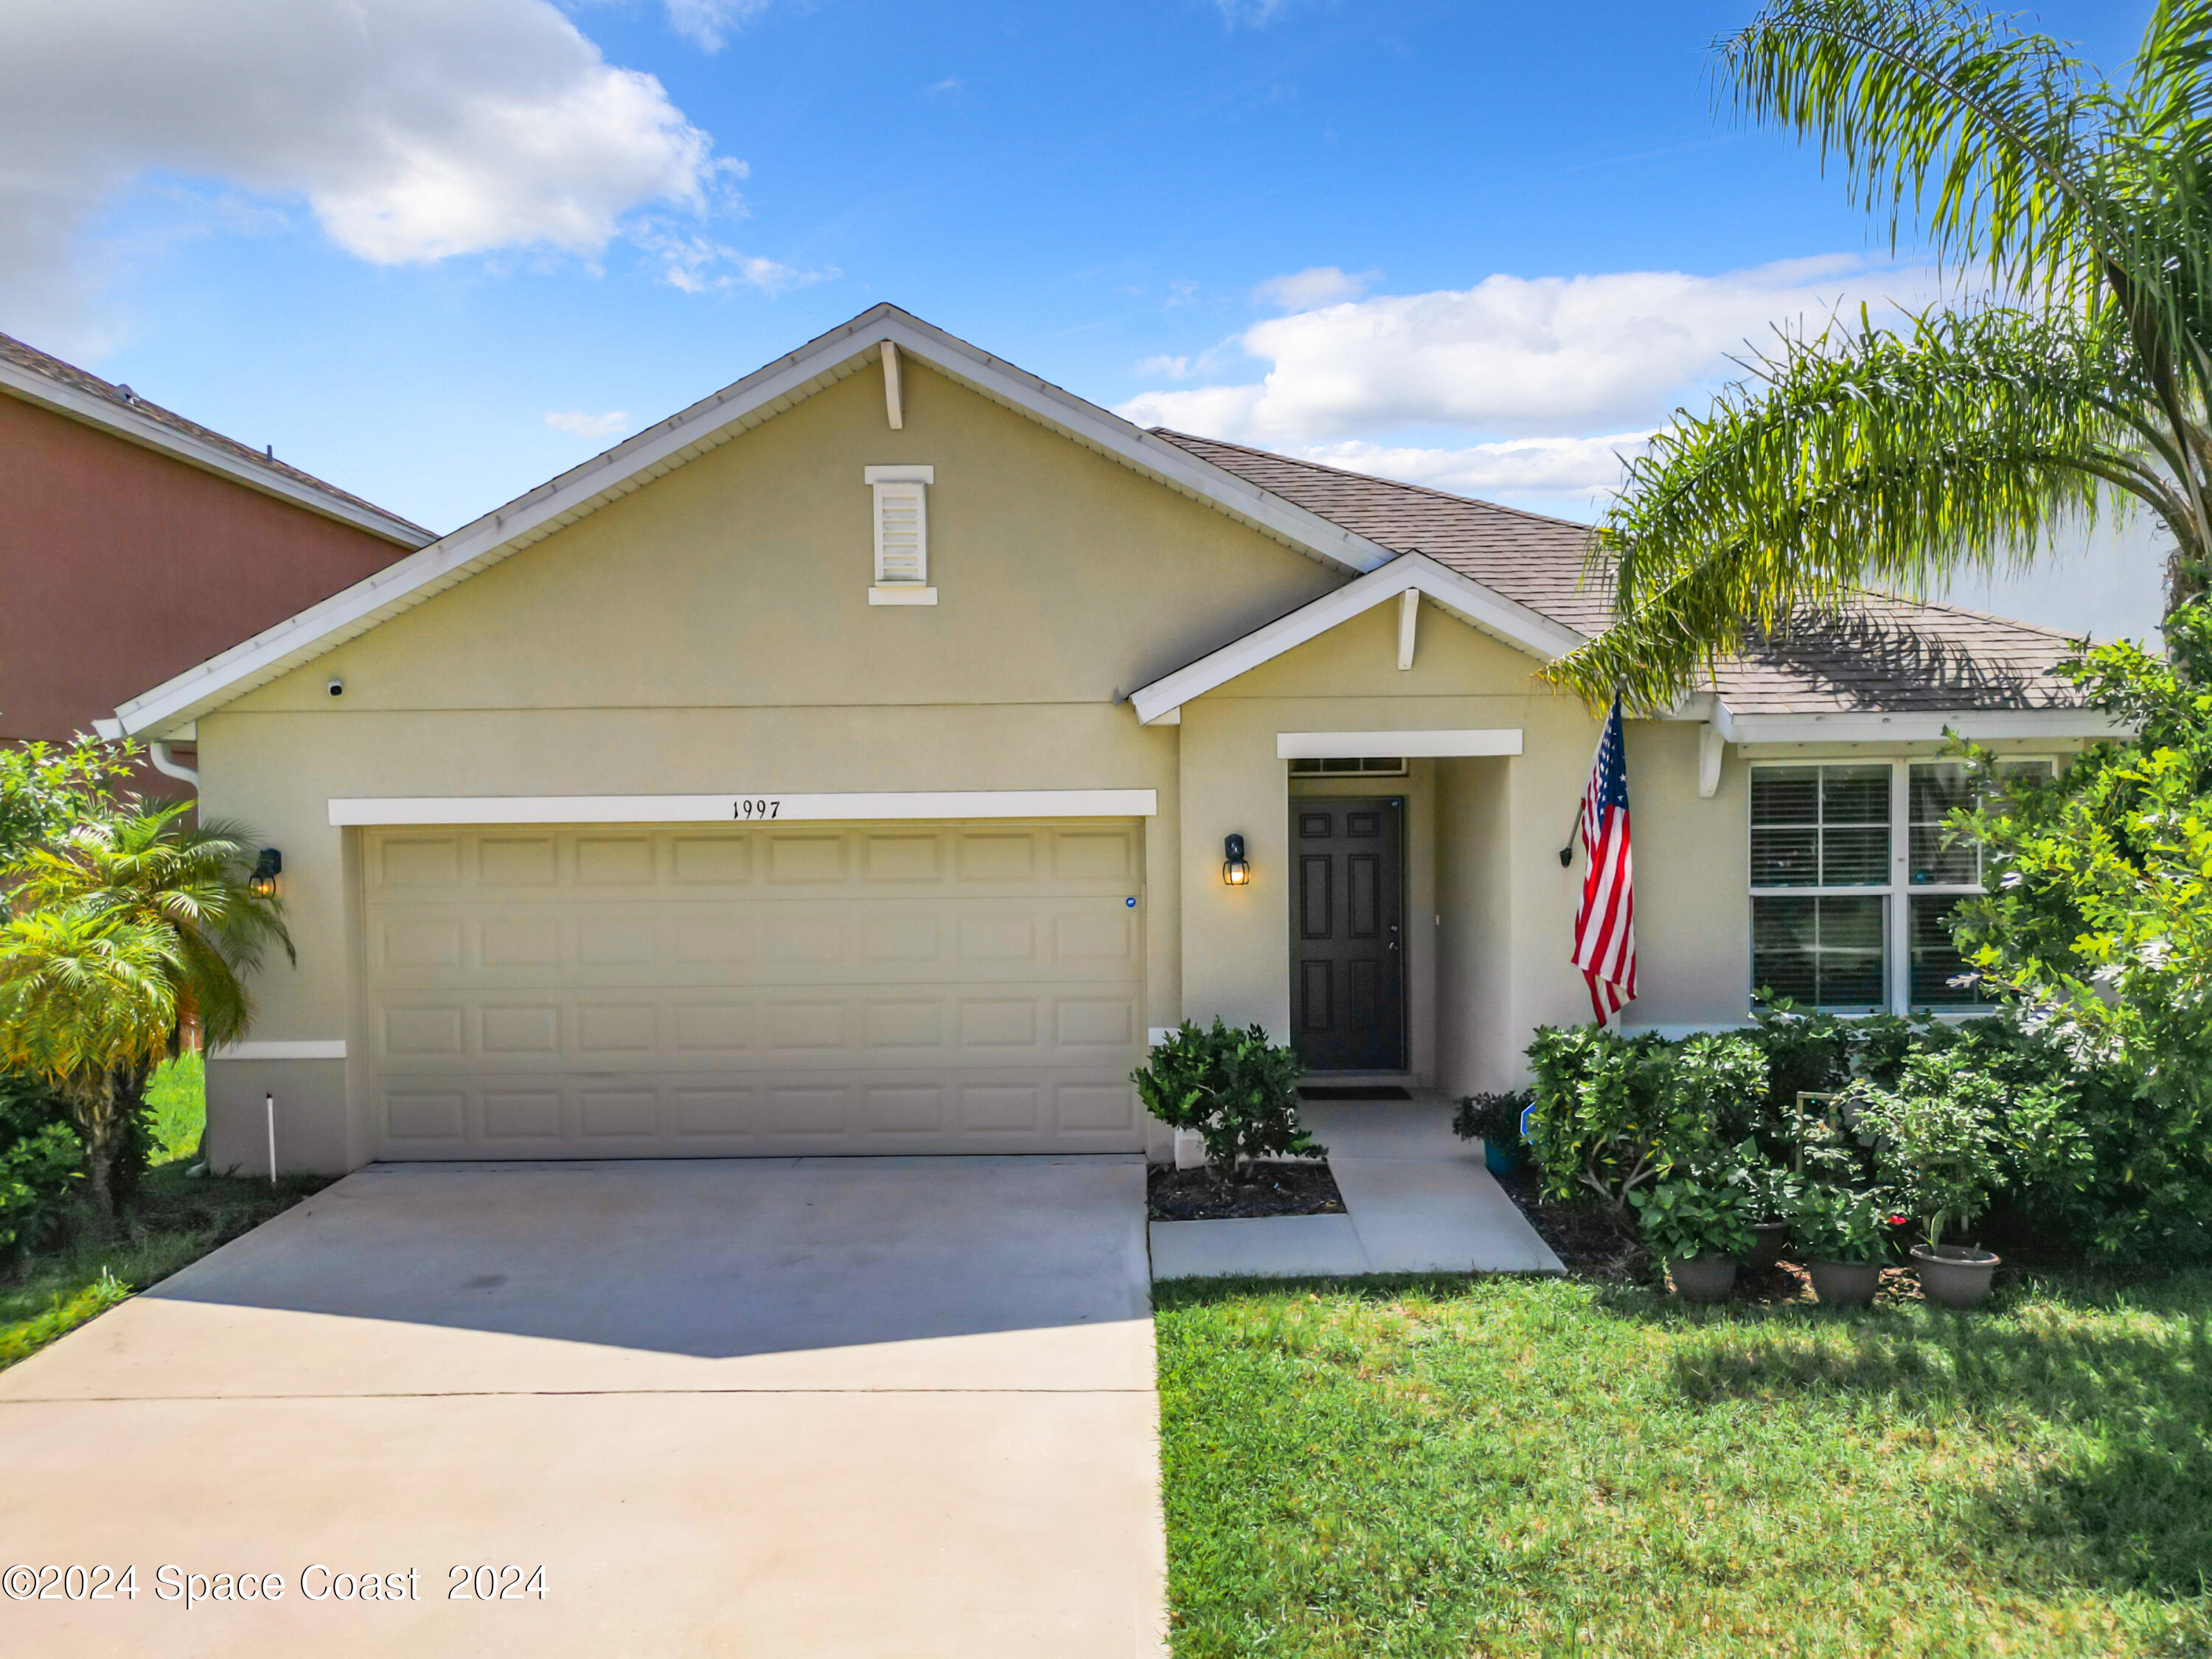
(1347, 935)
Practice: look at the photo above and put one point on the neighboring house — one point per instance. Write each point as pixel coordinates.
(845, 764)
(135, 544)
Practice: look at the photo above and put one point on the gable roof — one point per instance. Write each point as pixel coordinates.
(1883, 659)
(1516, 574)
(39, 377)
(849, 348)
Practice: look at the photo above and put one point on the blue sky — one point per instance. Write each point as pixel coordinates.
(437, 250)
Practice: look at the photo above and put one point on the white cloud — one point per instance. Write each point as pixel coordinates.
(708, 23)
(1321, 285)
(1547, 468)
(577, 424)
(414, 129)
(698, 264)
(1516, 355)
(1170, 368)
(944, 89)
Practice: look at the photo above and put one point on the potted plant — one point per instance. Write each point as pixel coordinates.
(1495, 1120)
(1699, 1228)
(1846, 1235)
(1772, 1192)
(1937, 1137)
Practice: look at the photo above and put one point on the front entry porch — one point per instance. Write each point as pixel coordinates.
(1417, 1200)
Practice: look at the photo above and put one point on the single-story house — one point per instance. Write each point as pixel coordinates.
(848, 764)
(134, 543)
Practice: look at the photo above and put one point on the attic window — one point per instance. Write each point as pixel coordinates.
(902, 535)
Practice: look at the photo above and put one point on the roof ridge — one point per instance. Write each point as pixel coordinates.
(62, 372)
(1172, 435)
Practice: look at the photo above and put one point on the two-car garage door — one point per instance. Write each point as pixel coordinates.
(701, 990)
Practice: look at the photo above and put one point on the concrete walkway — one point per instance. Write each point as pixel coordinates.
(1417, 1200)
(834, 1406)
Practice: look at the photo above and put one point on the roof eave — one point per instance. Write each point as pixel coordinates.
(83, 406)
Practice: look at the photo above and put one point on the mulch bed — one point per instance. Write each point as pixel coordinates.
(1272, 1190)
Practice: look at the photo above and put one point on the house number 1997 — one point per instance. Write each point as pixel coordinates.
(758, 806)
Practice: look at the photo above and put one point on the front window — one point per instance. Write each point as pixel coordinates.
(1854, 879)
(1819, 875)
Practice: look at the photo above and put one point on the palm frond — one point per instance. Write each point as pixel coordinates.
(1857, 457)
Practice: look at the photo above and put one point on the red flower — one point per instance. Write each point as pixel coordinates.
(1899, 1220)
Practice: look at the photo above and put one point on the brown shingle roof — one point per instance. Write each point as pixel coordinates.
(51, 367)
(1885, 655)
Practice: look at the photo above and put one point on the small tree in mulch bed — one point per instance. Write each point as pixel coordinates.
(1237, 1088)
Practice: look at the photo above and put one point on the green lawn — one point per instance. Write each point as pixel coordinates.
(176, 1221)
(1498, 1466)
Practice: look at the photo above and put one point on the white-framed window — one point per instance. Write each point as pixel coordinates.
(1852, 886)
(902, 534)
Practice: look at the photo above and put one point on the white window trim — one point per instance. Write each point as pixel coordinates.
(917, 590)
(1898, 892)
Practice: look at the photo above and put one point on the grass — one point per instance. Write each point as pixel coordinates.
(1494, 1466)
(175, 1221)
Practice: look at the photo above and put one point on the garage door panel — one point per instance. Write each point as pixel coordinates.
(777, 990)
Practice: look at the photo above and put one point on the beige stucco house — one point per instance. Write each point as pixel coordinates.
(845, 765)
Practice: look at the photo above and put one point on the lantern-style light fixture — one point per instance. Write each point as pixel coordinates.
(266, 869)
(1235, 872)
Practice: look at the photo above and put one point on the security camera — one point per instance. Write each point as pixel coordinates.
(337, 687)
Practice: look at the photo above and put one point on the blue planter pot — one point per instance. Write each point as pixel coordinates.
(1498, 1161)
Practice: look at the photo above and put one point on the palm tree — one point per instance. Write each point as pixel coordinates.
(1864, 455)
(191, 885)
(89, 1002)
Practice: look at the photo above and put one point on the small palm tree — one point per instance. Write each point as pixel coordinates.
(1870, 456)
(189, 883)
(89, 1002)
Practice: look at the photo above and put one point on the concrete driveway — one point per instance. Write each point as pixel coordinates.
(881, 1407)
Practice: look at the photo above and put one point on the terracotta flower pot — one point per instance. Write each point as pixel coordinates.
(1845, 1284)
(1954, 1275)
(1767, 1239)
(1703, 1277)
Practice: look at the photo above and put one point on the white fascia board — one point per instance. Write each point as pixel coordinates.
(758, 806)
(1468, 601)
(93, 410)
(1353, 745)
(848, 349)
(1979, 725)
(283, 1048)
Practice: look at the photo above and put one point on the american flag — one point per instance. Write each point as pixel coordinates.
(1605, 925)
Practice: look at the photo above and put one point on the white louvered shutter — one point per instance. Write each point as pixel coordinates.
(902, 535)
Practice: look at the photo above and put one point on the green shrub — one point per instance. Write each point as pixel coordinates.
(41, 1164)
(1238, 1089)
(1687, 1216)
(1614, 1114)
(1940, 1134)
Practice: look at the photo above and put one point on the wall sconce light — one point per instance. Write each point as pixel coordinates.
(1235, 872)
(266, 869)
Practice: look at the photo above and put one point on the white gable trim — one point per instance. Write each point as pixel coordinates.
(1432, 745)
(636, 461)
(1468, 599)
(150, 434)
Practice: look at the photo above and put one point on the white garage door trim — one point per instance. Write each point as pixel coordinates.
(757, 807)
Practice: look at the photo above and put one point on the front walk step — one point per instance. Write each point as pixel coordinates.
(1417, 1200)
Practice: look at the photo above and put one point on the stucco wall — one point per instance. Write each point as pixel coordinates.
(710, 633)
(123, 567)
